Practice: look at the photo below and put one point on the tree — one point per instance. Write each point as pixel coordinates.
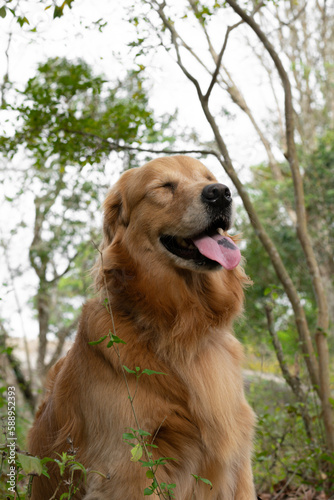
(66, 124)
(171, 21)
(14, 9)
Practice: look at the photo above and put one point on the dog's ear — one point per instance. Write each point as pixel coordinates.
(115, 209)
(112, 209)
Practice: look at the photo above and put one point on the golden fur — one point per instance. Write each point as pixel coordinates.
(174, 318)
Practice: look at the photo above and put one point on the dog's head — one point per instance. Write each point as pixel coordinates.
(174, 211)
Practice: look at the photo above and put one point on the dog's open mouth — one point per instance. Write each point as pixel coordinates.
(207, 249)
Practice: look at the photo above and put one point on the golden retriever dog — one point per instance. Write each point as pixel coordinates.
(169, 287)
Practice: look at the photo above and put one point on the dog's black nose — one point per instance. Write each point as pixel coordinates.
(217, 195)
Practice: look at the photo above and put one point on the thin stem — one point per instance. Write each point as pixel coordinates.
(116, 350)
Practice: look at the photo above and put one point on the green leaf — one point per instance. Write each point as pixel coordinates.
(143, 433)
(95, 342)
(128, 435)
(206, 481)
(79, 466)
(58, 12)
(137, 453)
(148, 492)
(3, 11)
(149, 474)
(152, 372)
(162, 460)
(22, 21)
(128, 369)
(30, 465)
(150, 463)
(117, 340)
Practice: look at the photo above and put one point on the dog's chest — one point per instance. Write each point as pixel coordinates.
(215, 389)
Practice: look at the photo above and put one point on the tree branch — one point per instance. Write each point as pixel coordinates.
(62, 335)
(219, 60)
(14, 363)
(295, 17)
(115, 146)
(169, 26)
(58, 276)
(292, 381)
(234, 91)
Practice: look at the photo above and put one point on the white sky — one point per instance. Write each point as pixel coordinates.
(108, 53)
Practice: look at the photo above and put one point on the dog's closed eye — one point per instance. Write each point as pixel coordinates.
(170, 185)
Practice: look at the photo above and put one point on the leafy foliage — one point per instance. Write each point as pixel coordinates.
(22, 19)
(274, 201)
(65, 125)
(70, 116)
(282, 449)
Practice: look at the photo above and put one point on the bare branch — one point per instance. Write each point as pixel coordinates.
(213, 53)
(230, 86)
(62, 335)
(295, 17)
(234, 91)
(115, 146)
(219, 60)
(58, 276)
(292, 381)
(168, 25)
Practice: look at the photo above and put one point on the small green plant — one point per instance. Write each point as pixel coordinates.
(284, 455)
(140, 443)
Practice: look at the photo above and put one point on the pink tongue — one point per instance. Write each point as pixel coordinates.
(219, 248)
